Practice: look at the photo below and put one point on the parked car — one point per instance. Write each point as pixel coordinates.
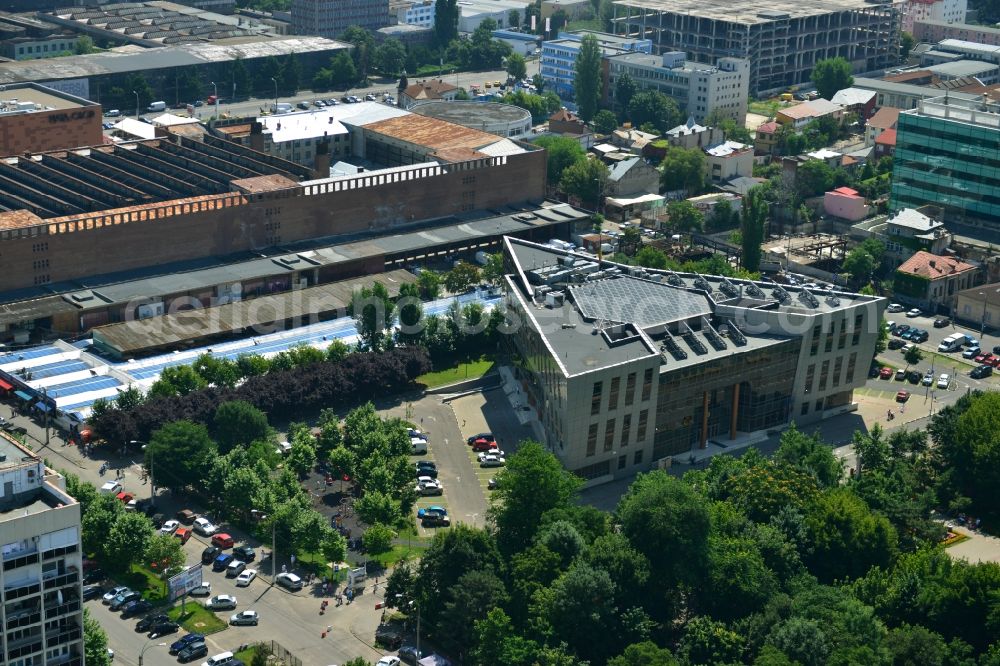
(944, 380)
(186, 640)
(981, 371)
(388, 660)
(164, 628)
(135, 608)
(941, 322)
(192, 651)
(389, 635)
(235, 568)
(492, 483)
(915, 312)
(902, 396)
(92, 592)
(303, 105)
(895, 307)
(221, 602)
(169, 527)
(426, 486)
(93, 576)
(245, 553)
(426, 471)
(146, 623)
(203, 590)
(246, 577)
(971, 352)
(222, 562)
(289, 581)
(119, 602)
(913, 376)
(222, 540)
(996, 350)
(895, 343)
(433, 518)
(244, 618)
(492, 461)
(900, 375)
(204, 527)
(488, 436)
(885, 373)
(110, 595)
(418, 447)
(186, 516)
(928, 378)
(408, 654)
(184, 534)
(483, 445)
(209, 554)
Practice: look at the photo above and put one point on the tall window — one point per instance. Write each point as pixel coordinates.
(838, 364)
(592, 440)
(609, 435)
(810, 376)
(626, 429)
(613, 396)
(640, 433)
(858, 320)
(647, 384)
(814, 343)
(630, 389)
(852, 360)
(595, 400)
(828, 347)
(824, 373)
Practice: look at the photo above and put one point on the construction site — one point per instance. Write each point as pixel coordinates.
(782, 39)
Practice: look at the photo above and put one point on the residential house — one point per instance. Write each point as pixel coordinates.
(729, 159)
(766, 138)
(435, 89)
(632, 139)
(979, 307)
(858, 101)
(564, 121)
(800, 115)
(931, 281)
(884, 119)
(885, 144)
(693, 135)
(632, 176)
(846, 204)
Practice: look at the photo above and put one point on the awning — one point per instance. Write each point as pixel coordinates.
(42, 407)
(23, 396)
(5, 386)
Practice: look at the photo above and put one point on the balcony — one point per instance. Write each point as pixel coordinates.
(63, 637)
(21, 589)
(53, 611)
(61, 581)
(24, 646)
(21, 560)
(25, 620)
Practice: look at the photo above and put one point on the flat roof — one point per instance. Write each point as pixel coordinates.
(16, 98)
(432, 133)
(964, 68)
(468, 113)
(749, 11)
(906, 89)
(329, 120)
(145, 335)
(960, 26)
(137, 59)
(971, 112)
(650, 60)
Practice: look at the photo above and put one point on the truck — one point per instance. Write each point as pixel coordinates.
(952, 342)
(157, 106)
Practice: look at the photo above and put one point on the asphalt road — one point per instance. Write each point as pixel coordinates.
(253, 106)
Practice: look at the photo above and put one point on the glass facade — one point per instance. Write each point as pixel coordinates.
(951, 164)
(765, 378)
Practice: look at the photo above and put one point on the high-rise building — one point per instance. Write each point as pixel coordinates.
(946, 156)
(330, 18)
(949, 11)
(40, 585)
(782, 39)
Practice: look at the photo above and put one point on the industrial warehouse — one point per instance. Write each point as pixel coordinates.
(626, 366)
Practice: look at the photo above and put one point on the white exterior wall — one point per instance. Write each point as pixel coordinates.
(952, 11)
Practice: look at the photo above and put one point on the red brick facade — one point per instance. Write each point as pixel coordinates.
(39, 131)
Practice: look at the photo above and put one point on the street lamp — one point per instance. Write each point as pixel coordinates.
(146, 647)
(136, 93)
(275, 82)
(152, 483)
(216, 89)
(274, 542)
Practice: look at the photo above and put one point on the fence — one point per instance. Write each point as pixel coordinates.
(278, 652)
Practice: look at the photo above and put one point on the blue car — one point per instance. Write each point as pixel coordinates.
(184, 641)
(436, 509)
(222, 562)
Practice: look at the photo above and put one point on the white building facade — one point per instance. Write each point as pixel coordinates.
(950, 11)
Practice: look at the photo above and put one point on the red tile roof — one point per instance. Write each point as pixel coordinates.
(768, 128)
(886, 138)
(884, 118)
(846, 191)
(933, 266)
(564, 115)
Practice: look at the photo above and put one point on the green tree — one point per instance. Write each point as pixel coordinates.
(429, 283)
(646, 653)
(411, 312)
(493, 270)
(971, 452)
(517, 68)
(514, 21)
(237, 72)
(446, 15)
(813, 178)
(739, 580)
(655, 108)
(579, 606)
(706, 641)
(540, 106)
(470, 599)
(832, 75)
(723, 217)
(562, 153)
(587, 78)
(95, 641)
(913, 355)
(847, 538)
(859, 265)
(302, 457)
(684, 216)
(807, 453)
(377, 539)
(650, 257)
(177, 380)
(585, 180)
(128, 541)
(96, 523)
(164, 554)
(906, 43)
(390, 56)
(753, 223)
(532, 482)
(803, 640)
(291, 74)
(363, 42)
(343, 71)
(337, 351)
(605, 122)
(461, 277)
(239, 423)
(682, 169)
(625, 90)
(730, 128)
(84, 44)
(180, 451)
(373, 312)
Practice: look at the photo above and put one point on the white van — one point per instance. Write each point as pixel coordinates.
(220, 659)
(157, 106)
(111, 488)
(281, 107)
(952, 343)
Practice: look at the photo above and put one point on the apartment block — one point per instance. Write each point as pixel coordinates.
(782, 40)
(929, 30)
(41, 609)
(945, 156)
(699, 89)
(558, 61)
(949, 11)
(625, 366)
(330, 18)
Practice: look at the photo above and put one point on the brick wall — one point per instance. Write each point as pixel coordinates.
(39, 131)
(235, 223)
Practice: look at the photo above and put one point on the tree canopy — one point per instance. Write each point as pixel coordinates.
(831, 76)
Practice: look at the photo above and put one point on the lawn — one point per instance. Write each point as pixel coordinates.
(401, 552)
(459, 372)
(318, 564)
(197, 618)
(767, 107)
(153, 589)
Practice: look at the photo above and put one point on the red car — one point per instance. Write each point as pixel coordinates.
(982, 357)
(993, 360)
(483, 445)
(885, 373)
(902, 396)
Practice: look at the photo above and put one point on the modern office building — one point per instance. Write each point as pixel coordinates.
(414, 12)
(625, 366)
(330, 18)
(699, 89)
(946, 155)
(782, 39)
(41, 612)
(948, 11)
(558, 61)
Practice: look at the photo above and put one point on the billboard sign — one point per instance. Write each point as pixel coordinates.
(184, 582)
